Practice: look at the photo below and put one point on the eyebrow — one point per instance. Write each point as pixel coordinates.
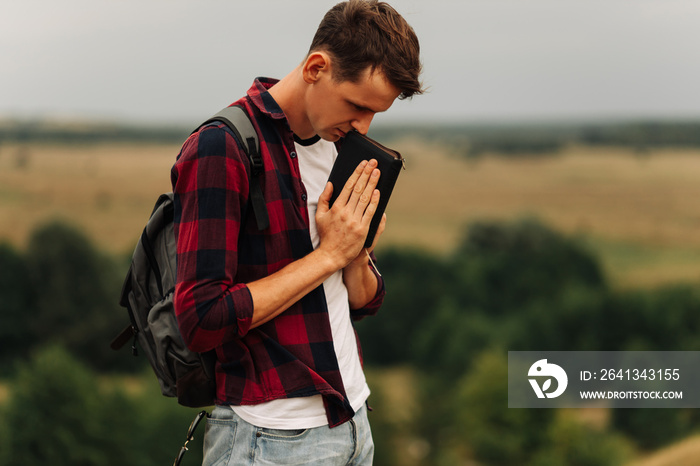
(362, 107)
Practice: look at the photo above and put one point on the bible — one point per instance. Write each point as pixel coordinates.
(356, 148)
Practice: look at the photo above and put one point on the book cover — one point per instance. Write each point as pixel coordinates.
(356, 148)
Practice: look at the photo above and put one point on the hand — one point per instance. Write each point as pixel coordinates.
(344, 227)
(362, 258)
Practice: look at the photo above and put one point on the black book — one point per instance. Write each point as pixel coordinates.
(356, 148)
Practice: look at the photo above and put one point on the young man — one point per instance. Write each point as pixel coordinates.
(276, 305)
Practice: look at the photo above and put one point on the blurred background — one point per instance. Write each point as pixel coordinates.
(549, 204)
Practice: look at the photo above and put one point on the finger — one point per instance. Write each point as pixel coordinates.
(371, 209)
(380, 230)
(382, 225)
(324, 199)
(362, 191)
(347, 190)
(366, 197)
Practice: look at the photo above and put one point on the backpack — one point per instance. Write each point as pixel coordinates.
(147, 293)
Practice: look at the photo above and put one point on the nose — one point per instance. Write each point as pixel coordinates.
(362, 124)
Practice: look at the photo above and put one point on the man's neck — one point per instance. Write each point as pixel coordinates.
(288, 93)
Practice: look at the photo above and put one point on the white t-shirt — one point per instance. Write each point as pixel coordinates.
(316, 157)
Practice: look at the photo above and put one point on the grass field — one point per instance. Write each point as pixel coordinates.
(682, 453)
(638, 212)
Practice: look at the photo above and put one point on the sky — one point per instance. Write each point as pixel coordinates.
(178, 61)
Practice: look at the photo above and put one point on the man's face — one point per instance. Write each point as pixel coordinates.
(337, 107)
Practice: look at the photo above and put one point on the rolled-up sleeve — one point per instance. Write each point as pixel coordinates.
(372, 307)
(210, 186)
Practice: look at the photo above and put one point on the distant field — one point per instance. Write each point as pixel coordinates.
(682, 453)
(639, 212)
(109, 190)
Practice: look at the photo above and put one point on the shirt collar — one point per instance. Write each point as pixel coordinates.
(307, 142)
(261, 98)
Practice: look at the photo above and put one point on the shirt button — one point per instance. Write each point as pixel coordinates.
(303, 197)
(293, 155)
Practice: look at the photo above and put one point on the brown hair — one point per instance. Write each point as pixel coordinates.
(367, 33)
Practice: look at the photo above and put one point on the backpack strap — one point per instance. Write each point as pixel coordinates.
(239, 123)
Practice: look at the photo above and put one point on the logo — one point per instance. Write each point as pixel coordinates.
(543, 369)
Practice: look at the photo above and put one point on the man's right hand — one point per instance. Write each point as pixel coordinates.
(343, 227)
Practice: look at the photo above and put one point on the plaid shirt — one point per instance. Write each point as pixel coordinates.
(219, 250)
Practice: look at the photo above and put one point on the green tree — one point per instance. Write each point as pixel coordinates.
(77, 293)
(15, 307)
(651, 428)
(571, 443)
(60, 413)
(664, 319)
(495, 434)
(54, 414)
(451, 339)
(578, 319)
(498, 267)
(416, 282)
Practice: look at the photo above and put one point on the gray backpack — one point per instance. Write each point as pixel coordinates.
(149, 286)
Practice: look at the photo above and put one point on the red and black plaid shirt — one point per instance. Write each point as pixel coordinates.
(219, 250)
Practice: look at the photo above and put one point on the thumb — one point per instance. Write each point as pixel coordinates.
(325, 199)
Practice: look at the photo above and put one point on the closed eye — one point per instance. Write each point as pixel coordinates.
(360, 108)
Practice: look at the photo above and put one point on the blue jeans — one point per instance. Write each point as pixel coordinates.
(229, 440)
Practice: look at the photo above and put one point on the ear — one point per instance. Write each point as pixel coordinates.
(316, 65)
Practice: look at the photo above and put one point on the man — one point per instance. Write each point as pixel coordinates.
(277, 304)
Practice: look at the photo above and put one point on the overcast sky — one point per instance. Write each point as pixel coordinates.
(178, 61)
